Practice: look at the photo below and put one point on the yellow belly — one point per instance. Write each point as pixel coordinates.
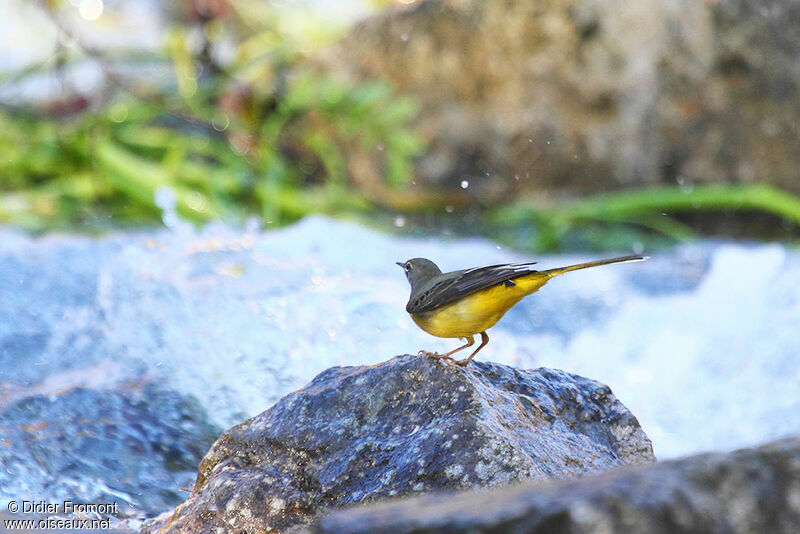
(477, 312)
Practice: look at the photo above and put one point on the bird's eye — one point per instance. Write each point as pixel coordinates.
(407, 267)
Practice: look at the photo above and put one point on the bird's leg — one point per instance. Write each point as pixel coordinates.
(470, 342)
(484, 341)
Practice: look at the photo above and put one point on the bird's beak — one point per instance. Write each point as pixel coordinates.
(400, 263)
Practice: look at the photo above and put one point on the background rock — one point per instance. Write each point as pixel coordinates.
(751, 490)
(135, 448)
(410, 425)
(585, 95)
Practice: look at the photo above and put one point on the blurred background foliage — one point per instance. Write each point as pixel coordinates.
(261, 134)
(232, 117)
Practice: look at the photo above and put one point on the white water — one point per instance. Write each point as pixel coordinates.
(701, 342)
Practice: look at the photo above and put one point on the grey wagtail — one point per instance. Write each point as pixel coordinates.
(470, 301)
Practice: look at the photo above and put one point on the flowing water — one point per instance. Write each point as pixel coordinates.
(202, 329)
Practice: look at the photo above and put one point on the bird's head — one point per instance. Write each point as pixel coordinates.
(419, 270)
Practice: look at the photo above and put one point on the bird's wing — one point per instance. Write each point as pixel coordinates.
(462, 283)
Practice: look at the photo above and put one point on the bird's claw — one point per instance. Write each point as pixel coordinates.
(436, 355)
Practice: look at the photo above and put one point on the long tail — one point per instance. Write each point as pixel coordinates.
(561, 270)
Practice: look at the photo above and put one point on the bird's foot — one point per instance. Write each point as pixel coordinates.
(436, 355)
(462, 363)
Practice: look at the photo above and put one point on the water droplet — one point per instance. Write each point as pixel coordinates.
(221, 123)
(464, 184)
(399, 221)
(252, 224)
(90, 9)
(118, 112)
(164, 198)
(404, 37)
(170, 219)
(196, 201)
(448, 209)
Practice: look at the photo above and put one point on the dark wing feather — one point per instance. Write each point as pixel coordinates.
(459, 284)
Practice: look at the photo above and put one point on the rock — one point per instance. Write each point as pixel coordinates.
(585, 95)
(747, 491)
(135, 448)
(409, 425)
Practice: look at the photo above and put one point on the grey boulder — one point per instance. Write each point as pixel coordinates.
(409, 425)
(746, 491)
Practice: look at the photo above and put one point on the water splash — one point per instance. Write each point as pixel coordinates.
(700, 342)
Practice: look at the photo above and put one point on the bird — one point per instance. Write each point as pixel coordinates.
(464, 303)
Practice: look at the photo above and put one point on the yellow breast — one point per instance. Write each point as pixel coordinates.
(479, 311)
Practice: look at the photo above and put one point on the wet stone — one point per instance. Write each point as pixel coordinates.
(409, 425)
(144, 446)
(749, 490)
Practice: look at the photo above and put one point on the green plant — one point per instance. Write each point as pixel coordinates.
(648, 208)
(262, 134)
